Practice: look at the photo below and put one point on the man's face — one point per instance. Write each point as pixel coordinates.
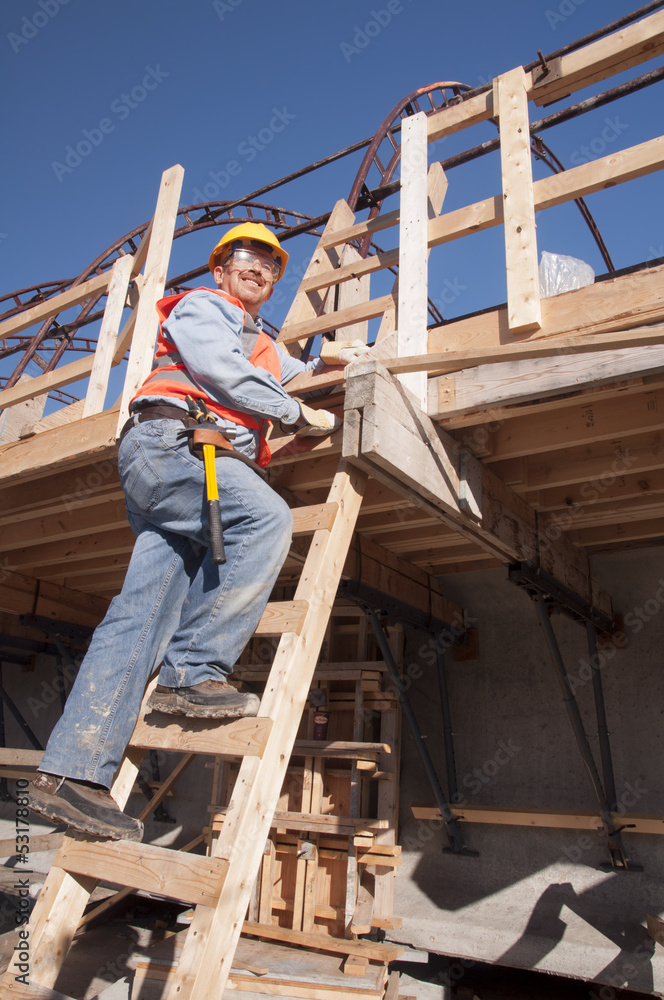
(248, 282)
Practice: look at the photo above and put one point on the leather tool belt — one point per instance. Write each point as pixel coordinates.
(198, 434)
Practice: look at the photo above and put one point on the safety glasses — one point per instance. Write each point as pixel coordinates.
(247, 258)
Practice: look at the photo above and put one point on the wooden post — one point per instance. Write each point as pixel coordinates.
(156, 267)
(412, 315)
(108, 334)
(523, 299)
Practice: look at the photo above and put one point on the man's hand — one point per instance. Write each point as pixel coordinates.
(342, 352)
(316, 422)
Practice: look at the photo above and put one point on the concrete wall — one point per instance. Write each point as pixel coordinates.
(536, 898)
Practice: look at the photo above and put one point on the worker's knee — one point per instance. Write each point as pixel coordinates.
(279, 518)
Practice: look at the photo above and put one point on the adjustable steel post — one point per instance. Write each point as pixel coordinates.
(454, 833)
(600, 710)
(616, 850)
(450, 762)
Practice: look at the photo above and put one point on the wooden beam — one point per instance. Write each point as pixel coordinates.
(65, 300)
(108, 335)
(615, 305)
(156, 268)
(603, 461)
(71, 446)
(23, 595)
(577, 424)
(630, 46)
(523, 298)
(557, 819)
(387, 437)
(510, 382)
(459, 116)
(413, 254)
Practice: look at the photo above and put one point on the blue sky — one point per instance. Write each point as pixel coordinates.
(208, 75)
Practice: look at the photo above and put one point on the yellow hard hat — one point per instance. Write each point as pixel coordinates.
(252, 235)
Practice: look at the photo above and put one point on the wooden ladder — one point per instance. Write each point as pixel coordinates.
(219, 886)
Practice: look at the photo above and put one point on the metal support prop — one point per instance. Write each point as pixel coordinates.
(454, 833)
(448, 738)
(616, 849)
(602, 727)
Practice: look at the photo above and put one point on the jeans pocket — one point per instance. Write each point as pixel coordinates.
(139, 480)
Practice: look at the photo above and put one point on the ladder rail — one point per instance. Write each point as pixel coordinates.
(208, 953)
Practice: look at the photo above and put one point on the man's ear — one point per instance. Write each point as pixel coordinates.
(218, 273)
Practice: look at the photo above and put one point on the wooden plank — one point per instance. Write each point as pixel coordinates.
(15, 419)
(23, 595)
(207, 955)
(73, 445)
(235, 737)
(597, 175)
(558, 819)
(337, 320)
(369, 950)
(585, 423)
(505, 382)
(186, 877)
(267, 883)
(108, 335)
(57, 419)
(156, 267)
(42, 384)
(616, 305)
(523, 298)
(404, 448)
(455, 117)
(412, 292)
(282, 616)
(356, 289)
(630, 46)
(40, 842)
(65, 300)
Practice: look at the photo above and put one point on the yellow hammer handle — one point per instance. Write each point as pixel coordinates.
(210, 472)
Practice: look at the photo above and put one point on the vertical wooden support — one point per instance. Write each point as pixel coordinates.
(523, 298)
(156, 267)
(412, 315)
(436, 190)
(350, 293)
(108, 335)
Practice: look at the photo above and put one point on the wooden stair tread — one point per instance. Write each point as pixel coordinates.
(313, 517)
(233, 737)
(191, 878)
(282, 616)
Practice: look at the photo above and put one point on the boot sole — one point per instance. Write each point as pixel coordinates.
(172, 704)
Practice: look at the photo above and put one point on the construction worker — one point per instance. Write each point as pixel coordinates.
(177, 608)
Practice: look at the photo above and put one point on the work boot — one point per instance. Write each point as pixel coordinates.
(207, 700)
(82, 807)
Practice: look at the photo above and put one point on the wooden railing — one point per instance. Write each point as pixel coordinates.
(121, 283)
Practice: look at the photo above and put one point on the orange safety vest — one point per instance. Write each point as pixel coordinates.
(181, 385)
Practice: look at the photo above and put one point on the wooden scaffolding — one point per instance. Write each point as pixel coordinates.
(467, 445)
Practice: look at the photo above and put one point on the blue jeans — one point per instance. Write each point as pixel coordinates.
(176, 606)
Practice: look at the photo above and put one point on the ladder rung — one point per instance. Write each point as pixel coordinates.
(237, 737)
(344, 749)
(187, 877)
(306, 520)
(282, 616)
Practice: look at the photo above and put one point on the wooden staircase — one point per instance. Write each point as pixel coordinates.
(219, 886)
